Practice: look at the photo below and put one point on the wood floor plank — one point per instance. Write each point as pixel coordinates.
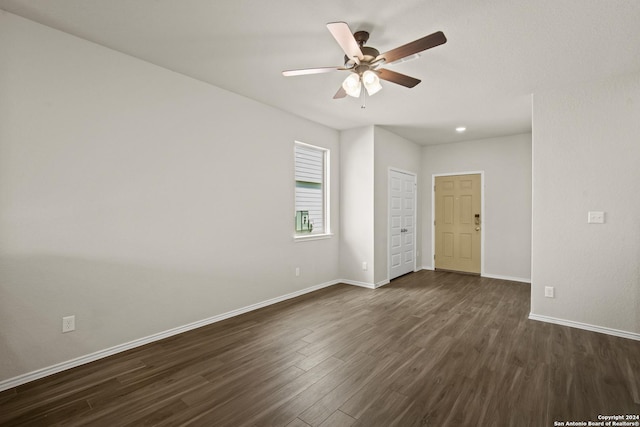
(361, 401)
(263, 379)
(387, 410)
(298, 423)
(50, 415)
(330, 402)
(215, 408)
(338, 419)
(235, 412)
(292, 407)
(429, 349)
(139, 403)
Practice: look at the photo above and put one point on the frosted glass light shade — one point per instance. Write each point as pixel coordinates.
(352, 85)
(371, 82)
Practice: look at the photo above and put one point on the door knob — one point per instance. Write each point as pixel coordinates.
(477, 228)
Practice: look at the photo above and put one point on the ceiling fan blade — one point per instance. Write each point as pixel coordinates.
(341, 93)
(305, 71)
(341, 32)
(427, 42)
(401, 79)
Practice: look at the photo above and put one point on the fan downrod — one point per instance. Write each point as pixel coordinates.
(361, 37)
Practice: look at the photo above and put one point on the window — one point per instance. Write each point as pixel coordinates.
(312, 190)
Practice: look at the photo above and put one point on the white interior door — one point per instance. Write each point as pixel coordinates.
(402, 219)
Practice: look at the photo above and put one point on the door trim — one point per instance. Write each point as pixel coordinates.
(433, 214)
(415, 217)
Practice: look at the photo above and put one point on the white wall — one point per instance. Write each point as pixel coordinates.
(586, 157)
(137, 199)
(506, 162)
(393, 151)
(356, 204)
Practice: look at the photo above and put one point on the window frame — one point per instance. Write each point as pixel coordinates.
(326, 185)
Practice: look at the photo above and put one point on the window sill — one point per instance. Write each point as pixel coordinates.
(306, 238)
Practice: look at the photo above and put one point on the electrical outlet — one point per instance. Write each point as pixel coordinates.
(364, 265)
(297, 271)
(548, 291)
(68, 324)
(595, 217)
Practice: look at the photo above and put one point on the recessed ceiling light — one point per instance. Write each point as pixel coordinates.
(460, 129)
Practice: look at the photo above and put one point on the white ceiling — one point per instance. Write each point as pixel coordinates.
(498, 52)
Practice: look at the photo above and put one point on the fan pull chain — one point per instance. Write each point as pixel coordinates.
(364, 100)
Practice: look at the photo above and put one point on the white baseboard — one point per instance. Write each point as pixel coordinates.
(510, 278)
(63, 366)
(490, 276)
(384, 282)
(356, 283)
(586, 326)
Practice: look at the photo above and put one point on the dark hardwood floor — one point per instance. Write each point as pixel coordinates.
(429, 349)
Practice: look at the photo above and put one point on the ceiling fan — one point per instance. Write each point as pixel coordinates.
(364, 62)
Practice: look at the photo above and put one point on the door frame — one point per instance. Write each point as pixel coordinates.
(415, 217)
(433, 214)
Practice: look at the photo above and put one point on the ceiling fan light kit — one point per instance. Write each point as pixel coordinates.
(364, 62)
(371, 82)
(352, 85)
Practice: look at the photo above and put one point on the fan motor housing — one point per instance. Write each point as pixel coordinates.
(369, 54)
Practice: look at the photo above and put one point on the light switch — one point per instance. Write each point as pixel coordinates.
(595, 217)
